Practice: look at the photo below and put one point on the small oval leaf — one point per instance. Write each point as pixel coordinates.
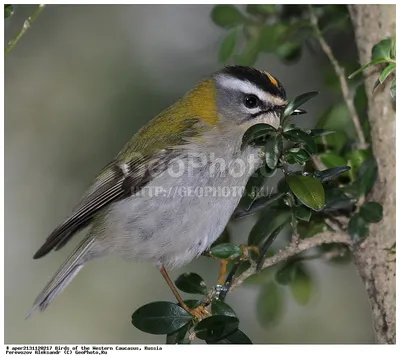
(357, 228)
(285, 274)
(226, 16)
(220, 308)
(236, 337)
(257, 132)
(382, 49)
(270, 305)
(371, 212)
(301, 285)
(366, 176)
(265, 227)
(179, 337)
(296, 103)
(215, 328)
(273, 151)
(191, 283)
(321, 132)
(160, 318)
(302, 213)
(298, 136)
(259, 204)
(308, 190)
(226, 251)
(227, 47)
(329, 174)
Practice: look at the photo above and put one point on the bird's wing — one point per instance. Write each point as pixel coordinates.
(126, 175)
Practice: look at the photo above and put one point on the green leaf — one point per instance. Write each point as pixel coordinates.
(227, 47)
(215, 328)
(226, 16)
(263, 253)
(258, 205)
(270, 305)
(337, 118)
(296, 155)
(321, 132)
(220, 308)
(289, 51)
(371, 212)
(301, 285)
(226, 251)
(179, 337)
(160, 318)
(335, 199)
(382, 49)
(298, 136)
(367, 175)
(8, 11)
(255, 185)
(296, 103)
(386, 72)
(357, 228)
(271, 36)
(393, 89)
(191, 283)
(258, 9)
(331, 159)
(329, 174)
(302, 213)
(285, 274)
(236, 337)
(257, 132)
(355, 159)
(265, 227)
(250, 52)
(310, 229)
(393, 49)
(273, 150)
(366, 66)
(308, 190)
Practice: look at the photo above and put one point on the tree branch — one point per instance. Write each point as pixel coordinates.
(294, 249)
(342, 78)
(25, 27)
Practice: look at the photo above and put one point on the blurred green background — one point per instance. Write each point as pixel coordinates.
(78, 85)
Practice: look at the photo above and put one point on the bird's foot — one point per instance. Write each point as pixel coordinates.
(199, 312)
(246, 251)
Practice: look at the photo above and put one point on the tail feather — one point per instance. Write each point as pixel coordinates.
(69, 269)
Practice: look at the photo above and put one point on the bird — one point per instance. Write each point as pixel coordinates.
(170, 192)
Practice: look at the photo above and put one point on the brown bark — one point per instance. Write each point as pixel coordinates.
(375, 263)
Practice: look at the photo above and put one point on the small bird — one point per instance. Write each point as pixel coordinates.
(172, 189)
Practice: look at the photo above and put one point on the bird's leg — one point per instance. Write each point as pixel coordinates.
(222, 271)
(199, 312)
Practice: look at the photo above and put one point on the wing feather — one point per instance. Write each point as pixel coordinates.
(118, 180)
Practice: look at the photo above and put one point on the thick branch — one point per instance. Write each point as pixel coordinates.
(342, 78)
(293, 249)
(376, 264)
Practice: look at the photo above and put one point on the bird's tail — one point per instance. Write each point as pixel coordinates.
(69, 269)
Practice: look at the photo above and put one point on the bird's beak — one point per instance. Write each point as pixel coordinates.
(299, 112)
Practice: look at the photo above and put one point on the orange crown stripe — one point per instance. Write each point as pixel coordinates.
(272, 79)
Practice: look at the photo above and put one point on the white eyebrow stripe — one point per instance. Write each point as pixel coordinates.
(244, 86)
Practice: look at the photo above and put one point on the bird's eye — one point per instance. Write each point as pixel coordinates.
(251, 101)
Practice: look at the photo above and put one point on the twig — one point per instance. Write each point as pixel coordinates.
(342, 78)
(294, 249)
(25, 27)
